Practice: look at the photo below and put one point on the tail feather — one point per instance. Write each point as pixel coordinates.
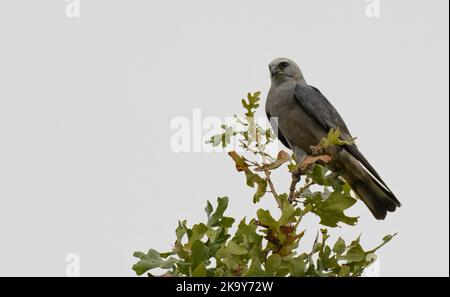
(377, 198)
(366, 183)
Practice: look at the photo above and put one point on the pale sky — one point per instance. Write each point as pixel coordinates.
(86, 106)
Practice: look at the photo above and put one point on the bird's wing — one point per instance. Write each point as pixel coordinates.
(279, 135)
(319, 108)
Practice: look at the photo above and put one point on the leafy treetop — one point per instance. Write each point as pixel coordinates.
(268, 245)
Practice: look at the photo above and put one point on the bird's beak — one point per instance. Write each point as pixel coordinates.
(273, 70)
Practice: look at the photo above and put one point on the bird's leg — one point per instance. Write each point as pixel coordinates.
(297, 173)
(316, 150)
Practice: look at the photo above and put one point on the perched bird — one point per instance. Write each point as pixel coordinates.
(303, 116)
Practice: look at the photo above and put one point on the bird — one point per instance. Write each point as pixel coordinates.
(302, 116)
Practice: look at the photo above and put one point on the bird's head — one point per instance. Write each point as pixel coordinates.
(283, 69)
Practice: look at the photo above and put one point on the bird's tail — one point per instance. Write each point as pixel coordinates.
(377, 198)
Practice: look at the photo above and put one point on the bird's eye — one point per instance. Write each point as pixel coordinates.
(283, 64)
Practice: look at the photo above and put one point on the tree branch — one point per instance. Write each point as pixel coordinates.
(272, 188)
(267, 172)
(301, 168)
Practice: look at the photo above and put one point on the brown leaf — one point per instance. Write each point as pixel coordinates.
(282, 158)
(239, 161)
(287, 229)
(294, 238)
(311, 160)
(272, 237)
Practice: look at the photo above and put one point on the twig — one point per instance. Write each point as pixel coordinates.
(296, 175)
(267, 172)
(310, 255)
(272, 188)
(301, 168)
(303, 189)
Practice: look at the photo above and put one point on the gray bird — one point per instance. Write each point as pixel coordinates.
(304, 116)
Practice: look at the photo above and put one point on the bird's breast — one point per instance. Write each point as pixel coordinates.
(294, 123)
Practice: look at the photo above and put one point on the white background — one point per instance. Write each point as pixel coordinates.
(86, 106)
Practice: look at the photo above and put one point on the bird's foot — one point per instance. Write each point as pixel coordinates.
(296, 176)
(316, 150)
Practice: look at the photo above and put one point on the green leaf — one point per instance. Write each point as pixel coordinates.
(199, 254)
(354, 254)
(226, 222)
(287, 213)
(181, 230)
(198, 231)
(246, 234)
(234, 249)
(222, 204)
(251, 104)
(344, 271)
(331, 210)
(222, 139)
(388, 238)
(333, 138)
(255, 269)
(272, 263)
(339, 247)
(208, 209)
(166, 255)
(328, 262)
(250, 178)
(200, 271)
(297, 266)
(266, 218)
(318, 175)
(150, 261)
(261, 190)
(217, 240)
